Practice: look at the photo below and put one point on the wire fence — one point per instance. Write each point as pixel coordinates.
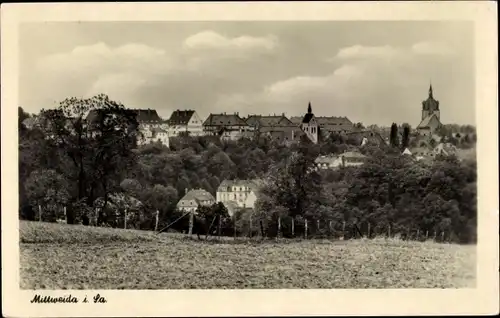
(251, 227)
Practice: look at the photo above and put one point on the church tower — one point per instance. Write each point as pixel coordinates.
(430, 106)
(309, 125)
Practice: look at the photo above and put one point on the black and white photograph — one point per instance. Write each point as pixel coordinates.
(246, 154)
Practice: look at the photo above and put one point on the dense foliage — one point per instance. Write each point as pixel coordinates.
(103, 178)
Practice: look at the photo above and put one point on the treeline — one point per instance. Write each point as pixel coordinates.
(389, 191)
(96, 175)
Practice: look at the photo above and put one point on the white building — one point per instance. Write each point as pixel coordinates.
(238, 194)
(346, 159)
(185, 122)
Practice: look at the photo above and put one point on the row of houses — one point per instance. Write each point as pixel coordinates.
(153, 128)
(232, 126)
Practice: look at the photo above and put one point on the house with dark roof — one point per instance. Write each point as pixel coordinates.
(274, 127)
(195, 198)
(430, 115)
(227, 126)
(338, 125)
(366, 136)
(185, 122)
(266, 121)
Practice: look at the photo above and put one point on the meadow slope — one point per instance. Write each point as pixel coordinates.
(55, 256)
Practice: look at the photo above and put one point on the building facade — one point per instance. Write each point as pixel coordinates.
(346, 159)
(185, 122)
(236, 194)
(227, 126)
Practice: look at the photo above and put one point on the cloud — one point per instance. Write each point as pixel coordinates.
(126, 72)
(370, 84)
(203, 49)
(359, 51)
(432, 48)
(211, 40)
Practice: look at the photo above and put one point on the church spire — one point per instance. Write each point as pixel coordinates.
(430, 91)
(309, 108)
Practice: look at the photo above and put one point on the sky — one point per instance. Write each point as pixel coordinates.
(371, 72)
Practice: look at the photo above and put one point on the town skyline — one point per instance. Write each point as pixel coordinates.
(368, 72)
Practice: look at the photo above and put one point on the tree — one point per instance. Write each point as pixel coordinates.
(406, 137)
(98, 146)
(394, 139)
(47, 189)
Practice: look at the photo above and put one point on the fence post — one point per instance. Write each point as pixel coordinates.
(250, 234)
(157, 219)
(343, 230)
(125, 219)
(234, 227)
(293, 227)
(418, 234)
(389, 231)
(330, 228)
(96, 216)
(442, 236)
(434, 237)
(279, 227)
(369, 229)
(220, 224)
(191, 221)
(317, 226)
(305, 232)
(39, 213)
(426, 235)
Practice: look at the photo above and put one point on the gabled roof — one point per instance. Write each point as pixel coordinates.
(282, 132)
(406, 152)
(252, 184)
(352, 154)
(198, 195)
(265, 121)
(333, 124)
(425, 122)
(180, 117)
(296, 120)
(333, 120)
(224, 120)
(147, 115)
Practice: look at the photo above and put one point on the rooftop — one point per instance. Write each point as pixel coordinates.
(198, 195)
(224, 120)
(180, 117)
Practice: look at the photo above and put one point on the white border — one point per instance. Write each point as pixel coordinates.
(482, 300)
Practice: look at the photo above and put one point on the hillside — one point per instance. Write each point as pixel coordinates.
(55, 256)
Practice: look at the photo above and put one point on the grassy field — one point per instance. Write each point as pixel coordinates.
(55, 256)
